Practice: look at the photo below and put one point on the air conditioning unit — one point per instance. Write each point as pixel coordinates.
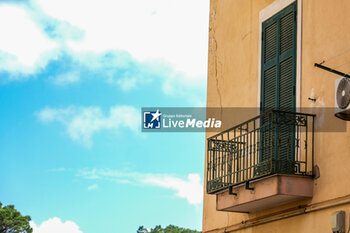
(342, 98)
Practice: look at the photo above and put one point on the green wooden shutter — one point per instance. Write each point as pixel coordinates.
(278, 80)
(278, 68)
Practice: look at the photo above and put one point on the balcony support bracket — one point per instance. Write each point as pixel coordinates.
(231, 192)
(247, 186)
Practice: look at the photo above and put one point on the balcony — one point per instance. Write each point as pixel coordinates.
(263, 162)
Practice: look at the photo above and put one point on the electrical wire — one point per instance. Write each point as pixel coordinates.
(347, 62)
(337, 55)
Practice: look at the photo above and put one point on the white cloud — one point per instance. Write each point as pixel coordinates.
(93, 187)
(165, 36)
(24, 48)
(83, 122)
(190, 189)
(67, 78)
(127, 83)
(55, 225)
(175, 31)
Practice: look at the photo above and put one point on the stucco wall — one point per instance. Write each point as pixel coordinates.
(233, 82)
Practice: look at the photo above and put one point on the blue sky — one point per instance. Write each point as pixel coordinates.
(73, 78)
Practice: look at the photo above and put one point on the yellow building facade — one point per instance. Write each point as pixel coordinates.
(238, 69)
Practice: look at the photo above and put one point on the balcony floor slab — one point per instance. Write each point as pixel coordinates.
(268, 192)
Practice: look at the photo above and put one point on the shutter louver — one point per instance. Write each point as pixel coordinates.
(270, 88)
(270, 45)
(286, 84)
(287, 28)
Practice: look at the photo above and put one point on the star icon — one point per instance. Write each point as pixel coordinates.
(156, 115)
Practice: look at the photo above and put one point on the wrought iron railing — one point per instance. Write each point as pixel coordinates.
(275, 142)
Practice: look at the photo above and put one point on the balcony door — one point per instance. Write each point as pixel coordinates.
(278, 89)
